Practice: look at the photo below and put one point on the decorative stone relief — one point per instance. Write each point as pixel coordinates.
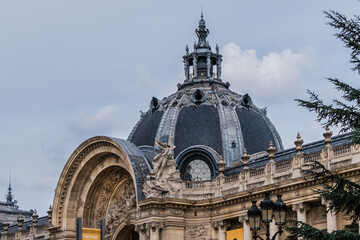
(220, 224)
(105, 196)
(119, 206)
(140, 169)
(155, 226)
(196, 232)
(164, 179)
(99, 195)
(243, 218)
(100, 142)
(301, 207)
(177, 211)
(142, 229)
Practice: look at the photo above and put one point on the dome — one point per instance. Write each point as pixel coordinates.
(206, 119)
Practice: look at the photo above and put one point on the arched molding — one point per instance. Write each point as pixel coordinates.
(94, 198)
(87, 162)
(122, 232)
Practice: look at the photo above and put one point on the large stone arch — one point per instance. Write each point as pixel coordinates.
(93, 177)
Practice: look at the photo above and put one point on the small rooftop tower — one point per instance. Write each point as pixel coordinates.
(202, 65)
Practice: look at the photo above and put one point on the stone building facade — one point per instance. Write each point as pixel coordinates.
(190, 168)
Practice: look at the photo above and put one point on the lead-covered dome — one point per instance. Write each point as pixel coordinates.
(205, 118)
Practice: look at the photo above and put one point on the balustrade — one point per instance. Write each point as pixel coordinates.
(257, 177)
(312, 157)
(283, 166)
(342, 150)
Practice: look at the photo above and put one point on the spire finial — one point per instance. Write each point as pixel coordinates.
(202, 33)
(201, 12)
(9, 196)
(271, 151)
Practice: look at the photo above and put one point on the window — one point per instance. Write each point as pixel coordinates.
(197, 170)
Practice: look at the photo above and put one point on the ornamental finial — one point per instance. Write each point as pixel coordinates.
(202, 33)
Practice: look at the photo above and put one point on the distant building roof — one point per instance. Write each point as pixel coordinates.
(9, 210)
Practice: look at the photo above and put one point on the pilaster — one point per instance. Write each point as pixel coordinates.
(246, 226)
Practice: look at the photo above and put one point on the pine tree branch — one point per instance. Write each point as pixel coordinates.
(350, 93)
(341, 194)
(340, 114)
(306, 231)
(349, 34)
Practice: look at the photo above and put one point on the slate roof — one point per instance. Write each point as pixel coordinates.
(26, 225)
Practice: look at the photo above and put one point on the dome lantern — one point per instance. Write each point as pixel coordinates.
(202, 65)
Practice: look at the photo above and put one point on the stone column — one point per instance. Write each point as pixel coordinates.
(300, 209)
(246, 226)
(155, 230)
(208, 65)
(186, 68)
(218, 67)
(331, 223)
(273, 229)
(195, 66)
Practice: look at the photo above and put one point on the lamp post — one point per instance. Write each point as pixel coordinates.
(266, 214)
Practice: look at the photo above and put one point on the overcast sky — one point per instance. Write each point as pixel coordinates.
(70, 70)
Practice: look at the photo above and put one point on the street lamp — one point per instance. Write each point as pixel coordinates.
(266, 214)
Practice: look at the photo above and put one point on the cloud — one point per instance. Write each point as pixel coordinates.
(271, 77)
(145, 80)
(106, 120)
(72, 132)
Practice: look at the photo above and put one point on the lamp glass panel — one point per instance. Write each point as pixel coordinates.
(257, 222)
(252, 222)
(283, 216)
(279, 216)
(267, 214)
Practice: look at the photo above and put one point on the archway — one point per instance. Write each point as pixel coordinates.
(127, 233)
(102, 179)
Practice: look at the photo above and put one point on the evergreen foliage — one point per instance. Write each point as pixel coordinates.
(342, 195)
(345, 115)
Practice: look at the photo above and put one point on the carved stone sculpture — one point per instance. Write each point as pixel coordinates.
(164, 179)
(197, 232)
(119, 208)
